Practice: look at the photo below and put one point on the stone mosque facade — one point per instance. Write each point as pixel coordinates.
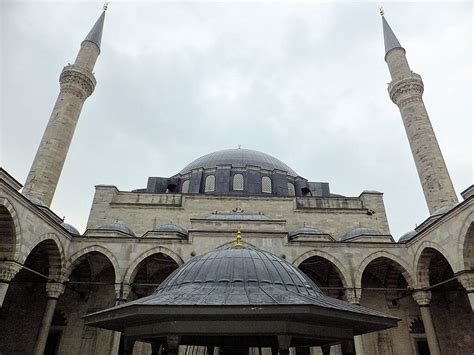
(51, 275)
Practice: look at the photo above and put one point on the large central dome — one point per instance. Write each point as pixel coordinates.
(238, 158)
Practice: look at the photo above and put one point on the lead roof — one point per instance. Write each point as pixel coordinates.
(238, 158)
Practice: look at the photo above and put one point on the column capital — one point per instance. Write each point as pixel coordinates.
(8, 270)
(423, 298)
(54, 289)
(467, 281)
(353, 295)
(122, 291)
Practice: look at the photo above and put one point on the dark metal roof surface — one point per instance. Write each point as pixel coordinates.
(117, 227)
(389, 38)
(360, 231)
(173, 228)
(238, 158)
(242, 276)
(95, 34)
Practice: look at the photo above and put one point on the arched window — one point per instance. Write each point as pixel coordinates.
(210, 183)
(291, 189)
(171, 188)
(266, 185)
(238, 184)
(306, 192)
(185, 187)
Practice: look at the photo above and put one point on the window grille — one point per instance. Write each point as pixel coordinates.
(238, 182)
(210, 183)
(266, 185)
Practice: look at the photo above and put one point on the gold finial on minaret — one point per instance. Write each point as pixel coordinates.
(106, 5)
(238, 243)
(381, 11)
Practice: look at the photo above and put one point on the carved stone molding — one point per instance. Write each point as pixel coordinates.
(406, 90)
(8, 270)
(122, 291)
(423, 298)
(467, 281)
(76, 81)
(54, 289)
(353, 295)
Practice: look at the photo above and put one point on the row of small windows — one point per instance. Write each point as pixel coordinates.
(238, 185)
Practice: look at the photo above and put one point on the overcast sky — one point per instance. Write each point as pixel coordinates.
(305, 82)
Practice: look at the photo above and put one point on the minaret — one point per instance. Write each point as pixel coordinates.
(406, 90)
(77, 82)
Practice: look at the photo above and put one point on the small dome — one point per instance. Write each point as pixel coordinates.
(117, 227)
(237, 217)
(240, 269)
(443, 210)
(171, 228)
(407, 236)
(305, 230)
(70, 228)
(238, 158)
(360, 231)
(36, 201)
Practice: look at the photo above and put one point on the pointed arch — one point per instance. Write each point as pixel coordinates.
(13, 243)
(422, 260)
(466, 243)
(77, 256)
(128, 277)
(55, 251)
(338, 266)
(399, 263)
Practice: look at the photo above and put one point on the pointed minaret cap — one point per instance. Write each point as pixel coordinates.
(95, 34)
(391, 42)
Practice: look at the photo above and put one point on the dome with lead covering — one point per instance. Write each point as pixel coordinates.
(117, 227)
(70, 228)
(357, 232)
(407, 236)
(238, 158)
(171, 228)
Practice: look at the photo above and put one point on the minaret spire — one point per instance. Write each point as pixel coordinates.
(95, 34)
(390, 40)
(406, 91)
(77, 82)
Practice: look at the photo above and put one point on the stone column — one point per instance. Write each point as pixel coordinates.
(53, 290)
(326, 349)
(8, 270)
(284, 343)
(467, 281)
(353, 296)
(121, 295)
(172, 342)
(423, 298)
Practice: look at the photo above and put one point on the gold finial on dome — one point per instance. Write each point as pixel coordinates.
(238, 242)
(381, 11)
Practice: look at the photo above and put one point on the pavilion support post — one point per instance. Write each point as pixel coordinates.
(326, 349)
(172, 342)
(155, 348)
(347, 348)
(8, 270)
(121, 294)
(53, 290)
(467, 281)
(128, 344)
(284, 342)
(353, 296)
(423, 298)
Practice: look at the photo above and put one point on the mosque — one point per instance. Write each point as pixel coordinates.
(248, 256)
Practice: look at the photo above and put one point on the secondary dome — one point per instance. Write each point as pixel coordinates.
(238, 158)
